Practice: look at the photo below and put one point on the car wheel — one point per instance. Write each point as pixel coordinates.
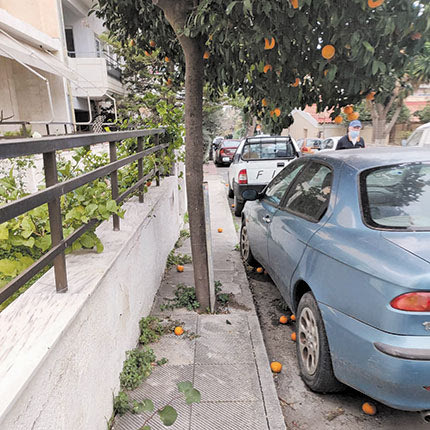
(313, 352)
(238, 206)
(245, 249)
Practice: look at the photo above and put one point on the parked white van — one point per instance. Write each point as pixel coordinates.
(257, 161)
(420, 137)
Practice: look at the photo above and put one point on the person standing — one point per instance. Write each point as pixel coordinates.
(352, 139)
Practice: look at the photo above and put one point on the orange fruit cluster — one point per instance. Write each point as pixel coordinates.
(276, 112)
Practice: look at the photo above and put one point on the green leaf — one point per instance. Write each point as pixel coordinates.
(230, 7)
(168, 415)
(368, 46)
(4, 231)
(87, 241)
(145, 428)
(192, 396)
(99, 246)
(111, 206)
(148, 405)
(185, 386)
(28, 227)
(9, 267)
(43, 242)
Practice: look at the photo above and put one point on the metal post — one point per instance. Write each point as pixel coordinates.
(140, 168)
(54, 208)
(157, 163)
(114, 182)
(212, 295)
(47, 129)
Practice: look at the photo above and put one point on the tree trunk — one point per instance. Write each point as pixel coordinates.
(382, 128)
(251, 126)
(176, 12)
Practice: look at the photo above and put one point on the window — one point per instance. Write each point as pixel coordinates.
(327, 144)
(415, 138)
(397, 197)
(70, 43)
(310, 196)
(277, 188)
(268, 150)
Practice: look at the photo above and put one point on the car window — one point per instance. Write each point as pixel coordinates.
(309, 197)
(268, 150)
(313, 143)
(397, 197)
(327, 144)
(230, 144)
(279, 185)
(415, 138)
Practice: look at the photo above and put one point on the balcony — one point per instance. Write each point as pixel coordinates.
(97, 75)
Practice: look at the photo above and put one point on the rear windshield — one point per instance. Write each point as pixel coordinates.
(268, 150)
(230, 144)
(397, 197)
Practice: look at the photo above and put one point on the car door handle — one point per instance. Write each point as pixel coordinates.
(280, 164)
(267, 219)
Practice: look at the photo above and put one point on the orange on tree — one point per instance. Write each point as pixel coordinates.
(259, 270)
(325, 72)
(179, 330)
(169, 82)
(166, 59)
(348, 110)
(328, 52)
(152, 44)
(206, 55)
(131, 43)
(374, 3)
(276, 366)
(269, 45)
(338, 120)
(352, 116)
(295, 3)
(293, 336)
(180, 268)
(264, 102)
(369, 408)
(371, 96)
(277, 112)
(296, 83)
(283, 319)
(147, 53)
(267, 67)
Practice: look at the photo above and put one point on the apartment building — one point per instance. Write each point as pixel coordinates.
(56, 74)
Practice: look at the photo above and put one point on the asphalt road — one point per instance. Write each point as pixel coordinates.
(303, 409)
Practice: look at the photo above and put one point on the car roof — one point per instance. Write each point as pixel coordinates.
(361, 159)
(424, 126)
(262, 138)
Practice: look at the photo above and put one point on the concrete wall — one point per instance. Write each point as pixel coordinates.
(41, 14)
(61, 354)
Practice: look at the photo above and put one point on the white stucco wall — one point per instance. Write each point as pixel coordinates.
(61, 354)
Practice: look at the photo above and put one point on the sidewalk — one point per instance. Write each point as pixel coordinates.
(227, 361)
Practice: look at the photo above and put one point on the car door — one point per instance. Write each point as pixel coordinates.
(297, 219)
(262, 211)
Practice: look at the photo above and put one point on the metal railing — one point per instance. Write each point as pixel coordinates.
(54, 190)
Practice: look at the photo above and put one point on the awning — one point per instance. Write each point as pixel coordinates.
(21, 52)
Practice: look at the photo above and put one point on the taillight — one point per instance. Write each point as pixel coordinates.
(221, 152)
(306, 149)
(412, 302)
(243, 177)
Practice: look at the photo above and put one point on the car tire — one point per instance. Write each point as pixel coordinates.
(245, 249)
(238, 206)
(313, 352)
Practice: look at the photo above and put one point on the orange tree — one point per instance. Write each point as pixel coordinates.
(279, 54)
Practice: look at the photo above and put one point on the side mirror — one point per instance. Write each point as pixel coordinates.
(250, 195)
(403, 142)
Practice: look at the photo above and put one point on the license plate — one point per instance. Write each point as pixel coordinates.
(225, 158)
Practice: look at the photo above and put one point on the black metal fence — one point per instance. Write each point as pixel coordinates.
(54, 190)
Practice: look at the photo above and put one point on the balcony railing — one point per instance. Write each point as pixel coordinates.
(54, 190)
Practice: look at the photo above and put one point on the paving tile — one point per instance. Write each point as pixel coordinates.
(227, 383)
(228, 416)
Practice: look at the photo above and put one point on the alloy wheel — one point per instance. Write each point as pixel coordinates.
(308, 338)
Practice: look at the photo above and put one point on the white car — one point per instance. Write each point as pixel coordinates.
(330, 144)
(257, 161)
(420, 137)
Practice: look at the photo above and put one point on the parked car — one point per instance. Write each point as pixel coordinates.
(309, 145)
(257, 160)
(345, 236)
(215, 143)
(420, 137)
(225, 152)
(330, 144)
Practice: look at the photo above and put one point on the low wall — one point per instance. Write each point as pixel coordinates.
(61, 354)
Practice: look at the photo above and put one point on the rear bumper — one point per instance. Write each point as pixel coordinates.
(240, 188)
(392, 369)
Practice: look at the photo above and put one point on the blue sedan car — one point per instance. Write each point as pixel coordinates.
(345, 236)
